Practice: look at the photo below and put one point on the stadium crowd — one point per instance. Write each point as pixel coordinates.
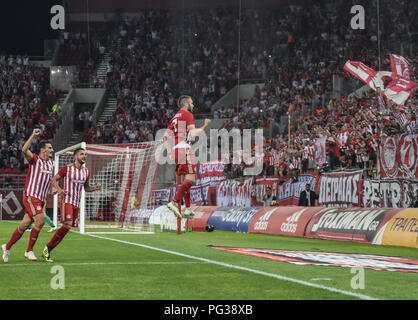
(26, 102)
(162, 54)
(296, 56)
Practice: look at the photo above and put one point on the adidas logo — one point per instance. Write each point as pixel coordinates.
(263, 221)
(291, 222)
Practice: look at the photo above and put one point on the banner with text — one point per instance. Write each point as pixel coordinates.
(350, 224)
(287, 192)
(393, 193)
(288, 221)
(210, 172)
(341, 189)
(232, 218)
(161, 195)
(402, 229)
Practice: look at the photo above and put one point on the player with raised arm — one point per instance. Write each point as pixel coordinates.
(182, 126)
(37, 185)
(75, 176)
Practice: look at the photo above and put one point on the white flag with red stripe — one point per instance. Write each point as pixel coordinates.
(320, 150)
(397, 90)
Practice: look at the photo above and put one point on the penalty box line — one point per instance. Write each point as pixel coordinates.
(267, 274)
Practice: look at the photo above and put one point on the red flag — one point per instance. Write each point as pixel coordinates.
(291, 108)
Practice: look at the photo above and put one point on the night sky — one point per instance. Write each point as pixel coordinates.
(24, 24)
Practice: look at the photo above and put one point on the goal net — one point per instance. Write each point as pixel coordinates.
(127, 174)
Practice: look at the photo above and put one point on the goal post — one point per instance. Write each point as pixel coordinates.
(127, 173)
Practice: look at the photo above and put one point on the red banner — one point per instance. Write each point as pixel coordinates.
(398, 156)
(199, 195)
(162, 195)
(259, 189)
(211, 169)
(341, 189)
(287, 192)
(288, 221)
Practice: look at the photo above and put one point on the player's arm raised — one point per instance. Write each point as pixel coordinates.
(196, 131)
(25, 149)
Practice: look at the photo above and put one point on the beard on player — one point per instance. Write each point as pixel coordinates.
(80, 158)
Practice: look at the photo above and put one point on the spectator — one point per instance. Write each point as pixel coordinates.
(269, 199)
(307, 197)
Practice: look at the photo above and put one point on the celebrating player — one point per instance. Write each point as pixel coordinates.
(183, 128)
(37, 185)
(75, 176)
(47, 220)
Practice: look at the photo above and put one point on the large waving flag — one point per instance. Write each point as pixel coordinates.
(362, 72)
(397, 90)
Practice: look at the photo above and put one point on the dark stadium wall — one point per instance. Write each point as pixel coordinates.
(108, 6)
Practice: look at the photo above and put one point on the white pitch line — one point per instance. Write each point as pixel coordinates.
(94, 263)
(272, 275)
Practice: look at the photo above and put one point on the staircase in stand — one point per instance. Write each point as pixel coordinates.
(108, 111)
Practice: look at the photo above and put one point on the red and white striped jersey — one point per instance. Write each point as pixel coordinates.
(343, 136)
(305, 153)
(269, 159)
(280, 156)
(297, 162)
(311, 152)
(359, 157)
(74, 180)
(401, 118)
(39, 177)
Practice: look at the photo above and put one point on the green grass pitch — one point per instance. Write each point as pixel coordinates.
(167, 266)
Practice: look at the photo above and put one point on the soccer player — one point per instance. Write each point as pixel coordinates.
(75, 176)
(183, 128)
(47, 220)
(38, 181)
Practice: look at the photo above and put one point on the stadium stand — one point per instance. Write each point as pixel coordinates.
(26, 103)
(153, 58)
